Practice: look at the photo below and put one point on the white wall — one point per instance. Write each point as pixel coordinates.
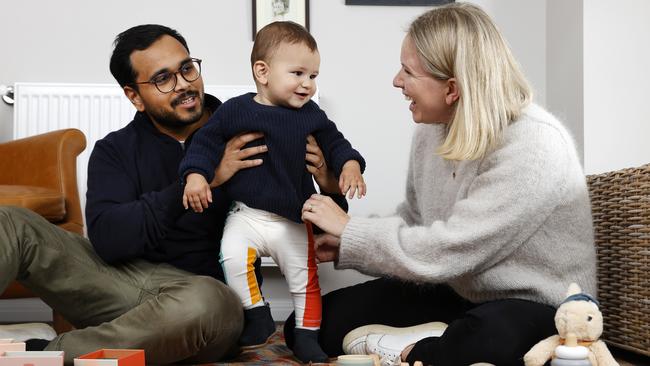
(616, 84)
(564, 77)
(71, 41)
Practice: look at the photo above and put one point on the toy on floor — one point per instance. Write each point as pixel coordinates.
(579, 324)
(8, 344)
(112, 357)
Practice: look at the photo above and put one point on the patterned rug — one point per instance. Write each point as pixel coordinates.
(275, 352)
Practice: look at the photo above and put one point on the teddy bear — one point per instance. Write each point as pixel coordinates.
(579, 324)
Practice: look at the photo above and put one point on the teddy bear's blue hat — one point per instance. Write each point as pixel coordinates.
(581, 297)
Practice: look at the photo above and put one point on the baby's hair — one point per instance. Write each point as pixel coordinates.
(269, 38)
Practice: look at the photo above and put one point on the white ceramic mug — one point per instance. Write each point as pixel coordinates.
(355, 360)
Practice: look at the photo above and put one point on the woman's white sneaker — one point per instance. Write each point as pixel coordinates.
(388, 342)
(388, 348)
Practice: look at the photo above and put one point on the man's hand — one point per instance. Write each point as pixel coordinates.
(197, 192)
(351, 180)
(234, 158)
(318, 168)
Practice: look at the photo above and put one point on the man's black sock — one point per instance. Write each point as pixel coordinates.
(36, 344)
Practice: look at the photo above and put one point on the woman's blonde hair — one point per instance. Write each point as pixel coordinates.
(460, 41)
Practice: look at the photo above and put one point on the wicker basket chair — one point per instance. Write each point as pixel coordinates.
(621, 212)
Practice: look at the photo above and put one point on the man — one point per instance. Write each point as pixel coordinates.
(151, 278)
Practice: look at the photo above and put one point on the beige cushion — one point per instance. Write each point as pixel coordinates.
(46, 202)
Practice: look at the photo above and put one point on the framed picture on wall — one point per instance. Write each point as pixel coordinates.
(269, 11)
(398, 2)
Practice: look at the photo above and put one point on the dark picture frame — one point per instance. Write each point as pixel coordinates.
(398, 2)
(268, 11)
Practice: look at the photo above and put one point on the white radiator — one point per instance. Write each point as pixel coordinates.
(95, 109)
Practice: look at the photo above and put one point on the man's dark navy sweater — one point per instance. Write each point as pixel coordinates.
(134, 202)
(282, 183)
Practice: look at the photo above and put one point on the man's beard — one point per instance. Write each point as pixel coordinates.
(172, 120)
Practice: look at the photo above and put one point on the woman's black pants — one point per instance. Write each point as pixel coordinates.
(498, 332)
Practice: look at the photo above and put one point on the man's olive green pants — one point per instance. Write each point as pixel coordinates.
(171, 314)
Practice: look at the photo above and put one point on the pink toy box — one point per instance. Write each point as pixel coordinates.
(31, 358)
(7, 344)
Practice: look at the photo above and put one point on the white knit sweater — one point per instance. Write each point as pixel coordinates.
(515, 224)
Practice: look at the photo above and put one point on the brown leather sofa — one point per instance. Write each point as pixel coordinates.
(40, 173)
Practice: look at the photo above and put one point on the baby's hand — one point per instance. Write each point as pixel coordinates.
(197, 192)
(351, 180)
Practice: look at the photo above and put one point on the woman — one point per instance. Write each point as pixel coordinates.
(496, 222)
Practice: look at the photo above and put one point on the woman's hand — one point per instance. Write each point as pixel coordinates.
(234, 158)
(327, 247)
(324, 213)
(318, 168)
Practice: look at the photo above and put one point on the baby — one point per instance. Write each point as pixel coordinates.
(266, 217)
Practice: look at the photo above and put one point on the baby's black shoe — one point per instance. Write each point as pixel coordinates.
(306, 346)
(258, 327)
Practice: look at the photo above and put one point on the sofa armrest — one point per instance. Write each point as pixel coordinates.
(47, 160)
(42, 159)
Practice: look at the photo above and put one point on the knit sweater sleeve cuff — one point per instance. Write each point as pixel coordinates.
(355, 243)
(185, 173)
(339, 161)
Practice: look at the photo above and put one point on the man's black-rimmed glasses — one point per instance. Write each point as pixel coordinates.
(166, 81)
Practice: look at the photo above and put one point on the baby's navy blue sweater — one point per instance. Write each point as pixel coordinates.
(282, 183)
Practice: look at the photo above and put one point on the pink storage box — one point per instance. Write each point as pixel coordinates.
(32, 358)
(7, 344)
(111, 357)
